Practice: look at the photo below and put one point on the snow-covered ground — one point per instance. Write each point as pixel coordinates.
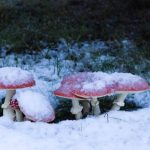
(121, 130)
(115, 130)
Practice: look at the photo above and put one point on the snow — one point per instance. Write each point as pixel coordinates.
(94, 81)
(100, 83)
(13, 76)
(111, 131)
(126, 78)
(121, 130)
(93, 86)
(130, 82)
(35, 106)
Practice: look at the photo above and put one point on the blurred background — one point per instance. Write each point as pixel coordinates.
(35, 24)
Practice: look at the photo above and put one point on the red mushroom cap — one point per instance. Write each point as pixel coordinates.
(127, 82)
(97, 84)
(70, 84)
(14, 104)
(86, 85)
(14, 78)
(66, 90)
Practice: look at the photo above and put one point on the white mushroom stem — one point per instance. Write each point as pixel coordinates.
(119, 102)
(86, 107)
(19, 115)
(76, 109)
(7, 111)
(95, 107)
(9, 95)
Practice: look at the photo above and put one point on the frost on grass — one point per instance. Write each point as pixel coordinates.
(35, 105)
(51, 65)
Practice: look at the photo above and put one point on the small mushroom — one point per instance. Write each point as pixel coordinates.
(12, 78)
(35, 106)
(68, 85)
(65, 91)
(14, 105)
(127, 83)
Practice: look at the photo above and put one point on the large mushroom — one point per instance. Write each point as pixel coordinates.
(68, 85)
(86, 85)
(127, 83)
(96, 85)
(91, 86)
(12, 78)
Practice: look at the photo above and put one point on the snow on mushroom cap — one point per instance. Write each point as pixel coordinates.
(94, 81)
(88, 86)
(13, 78)
(35, 106)
(129, 82)
(96, 84)
(69, 84)
(67, 88)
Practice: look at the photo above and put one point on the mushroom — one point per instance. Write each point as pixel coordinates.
(14, 105)
(35, 106)
(12, 78)
(65, 91)
(68, 85)
(96, 85)
(87, 86)
(127, 83)
(90, 86)
(92, 90)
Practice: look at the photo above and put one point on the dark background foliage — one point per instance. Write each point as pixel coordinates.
(34, 24)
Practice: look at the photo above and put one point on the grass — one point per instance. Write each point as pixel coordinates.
(32, 25)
